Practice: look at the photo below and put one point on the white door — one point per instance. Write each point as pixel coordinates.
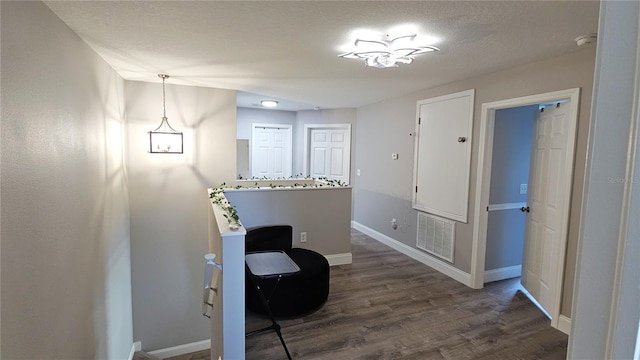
(442, 160)
(544, 221)
(271, 151)
(329, 153)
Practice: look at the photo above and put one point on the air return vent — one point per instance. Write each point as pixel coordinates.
(436, 235)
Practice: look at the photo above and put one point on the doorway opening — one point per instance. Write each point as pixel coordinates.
(327, 151)
(547, 201)
(511, 154)
(271, 151)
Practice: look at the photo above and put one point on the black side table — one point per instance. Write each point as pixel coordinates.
(267, 265)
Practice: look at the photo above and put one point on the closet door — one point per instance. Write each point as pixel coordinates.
(443, 155)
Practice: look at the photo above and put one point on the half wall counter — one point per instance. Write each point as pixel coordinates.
(320, 214)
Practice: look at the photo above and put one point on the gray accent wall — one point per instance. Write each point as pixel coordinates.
(513, 132)
(384, 189)
(324, 214)
(66, 260)
(169, 214)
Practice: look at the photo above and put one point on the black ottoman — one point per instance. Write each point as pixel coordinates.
(295, 295)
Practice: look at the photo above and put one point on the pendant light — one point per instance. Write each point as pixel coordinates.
(165, 139)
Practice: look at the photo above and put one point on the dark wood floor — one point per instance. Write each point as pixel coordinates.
(388, 306)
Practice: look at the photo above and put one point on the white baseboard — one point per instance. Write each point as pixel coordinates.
(564, 324)
(416, 254)
(181, 349)
(136, 346)
(502, 273)
(339, 259)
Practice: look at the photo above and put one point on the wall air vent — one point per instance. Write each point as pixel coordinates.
(436, 236)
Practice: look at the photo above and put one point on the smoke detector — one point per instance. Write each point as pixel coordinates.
(586, 39)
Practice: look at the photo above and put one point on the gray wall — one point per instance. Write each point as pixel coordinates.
(248, 116)
(513, 132)
(66, 281)
(383, 191)
(169, 229)
(308, 210)
(511, 155)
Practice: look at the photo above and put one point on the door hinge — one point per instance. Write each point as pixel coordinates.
(487, 209)
(419, 120)
(416, 188)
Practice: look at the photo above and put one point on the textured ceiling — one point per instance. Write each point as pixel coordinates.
(287, 50)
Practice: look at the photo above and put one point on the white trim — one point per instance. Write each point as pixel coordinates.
(483, 180)
(416, 254)
(307, 143)
(564, 324)
(136, 346)
(463, 215)
(339, 259)
(181, 349)
(508, 272)
(506, 206)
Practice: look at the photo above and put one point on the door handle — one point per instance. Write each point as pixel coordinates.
(524, 209)
(462, 139)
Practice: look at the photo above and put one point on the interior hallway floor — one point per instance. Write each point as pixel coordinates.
(388, 306)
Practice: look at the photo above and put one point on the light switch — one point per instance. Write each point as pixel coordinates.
(523, 189)
(358, 172)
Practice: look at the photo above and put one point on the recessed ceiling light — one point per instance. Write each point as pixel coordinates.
(269, 103)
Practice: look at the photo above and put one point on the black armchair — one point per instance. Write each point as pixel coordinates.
(295, 295)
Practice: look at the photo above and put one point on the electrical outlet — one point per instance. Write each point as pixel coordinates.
(358, 172)
(523, 188)
(303, 236)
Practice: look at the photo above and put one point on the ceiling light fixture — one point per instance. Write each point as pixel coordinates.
(389, 52)
(165, 139)
(269, 103)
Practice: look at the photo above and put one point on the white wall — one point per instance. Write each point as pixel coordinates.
(65, 206)
(169, 231)
(606, 309)
(384, 189)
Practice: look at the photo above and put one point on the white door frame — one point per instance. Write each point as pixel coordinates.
(483, 182)
(307, 143)
(288, 155)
